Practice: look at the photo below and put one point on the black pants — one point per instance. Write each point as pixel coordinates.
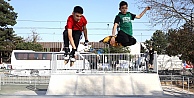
(125, 39)
(76, 37)
(151, 59)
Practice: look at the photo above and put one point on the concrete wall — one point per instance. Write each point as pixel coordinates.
(105, 84)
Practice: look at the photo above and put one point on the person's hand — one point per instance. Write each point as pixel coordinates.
(112, 40)
(148, 8)
(86, 43)
(72, 53)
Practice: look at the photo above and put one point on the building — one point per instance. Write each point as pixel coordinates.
(58, 46)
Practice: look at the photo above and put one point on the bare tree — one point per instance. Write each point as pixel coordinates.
(34, 37)
(169, 13)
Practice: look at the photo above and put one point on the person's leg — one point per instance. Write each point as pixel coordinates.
(131, 41)
(76, 37)
(151, 63)
(66, 44)
(121, 37)
(125, 39)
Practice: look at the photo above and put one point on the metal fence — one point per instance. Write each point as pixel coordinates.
(25, 80)
(176, 83)
(118, 62)
(172, 83)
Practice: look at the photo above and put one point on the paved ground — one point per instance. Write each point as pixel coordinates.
(24, 91)
(30, 91)
(145, 96)
(95, 96)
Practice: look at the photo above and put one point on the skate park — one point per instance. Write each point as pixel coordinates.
(37, 61)
(102, 80)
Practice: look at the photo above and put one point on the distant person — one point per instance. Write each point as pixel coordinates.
(151, 55)
(147, 59)
(76, 23)
(123, 23)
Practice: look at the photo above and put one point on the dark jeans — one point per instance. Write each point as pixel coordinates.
(76, 37)
(125, 39)
(151, 59)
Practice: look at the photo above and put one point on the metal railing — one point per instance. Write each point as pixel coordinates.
(25, 80)
(176, 83)
(117, 62)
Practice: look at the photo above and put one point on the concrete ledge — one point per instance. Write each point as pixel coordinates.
(105, 84)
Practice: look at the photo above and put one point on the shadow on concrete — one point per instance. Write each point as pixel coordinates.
(37, 89)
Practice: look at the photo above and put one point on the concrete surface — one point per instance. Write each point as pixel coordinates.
(105, 84)
(29, 91)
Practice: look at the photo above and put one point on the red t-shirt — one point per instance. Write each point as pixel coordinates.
(75, 25)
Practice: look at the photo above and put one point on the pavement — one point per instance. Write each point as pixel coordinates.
(59, 96)
(29, 91)
(39, 91)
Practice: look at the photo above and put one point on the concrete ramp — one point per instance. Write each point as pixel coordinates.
(105, 84)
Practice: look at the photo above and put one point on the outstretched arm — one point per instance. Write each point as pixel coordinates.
(140, 15)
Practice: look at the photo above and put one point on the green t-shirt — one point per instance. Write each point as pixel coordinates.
(124, 21)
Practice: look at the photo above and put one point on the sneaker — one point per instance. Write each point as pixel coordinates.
(66, 57)
(72, 59)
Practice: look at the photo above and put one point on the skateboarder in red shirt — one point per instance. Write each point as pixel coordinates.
(76, 23)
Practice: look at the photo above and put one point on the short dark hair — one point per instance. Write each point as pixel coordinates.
(122, 3)
(78, 9)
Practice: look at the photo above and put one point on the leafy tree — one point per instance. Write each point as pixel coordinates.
(7, 19)
(147, 43)
(29, 46)
(158, 41)
(30, 43)
(181, 42)
(116, 50)
(169, 12)
(9, 40)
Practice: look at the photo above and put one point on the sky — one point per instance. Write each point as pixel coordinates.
(48, 18)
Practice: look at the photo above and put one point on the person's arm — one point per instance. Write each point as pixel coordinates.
(85, 33)
(69, 31)
(71, 38)
(85, 36)
(116, 23)
(140, 15)
(112, 41)
(114, 29)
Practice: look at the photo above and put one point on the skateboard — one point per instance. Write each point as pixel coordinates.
(107, 41)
